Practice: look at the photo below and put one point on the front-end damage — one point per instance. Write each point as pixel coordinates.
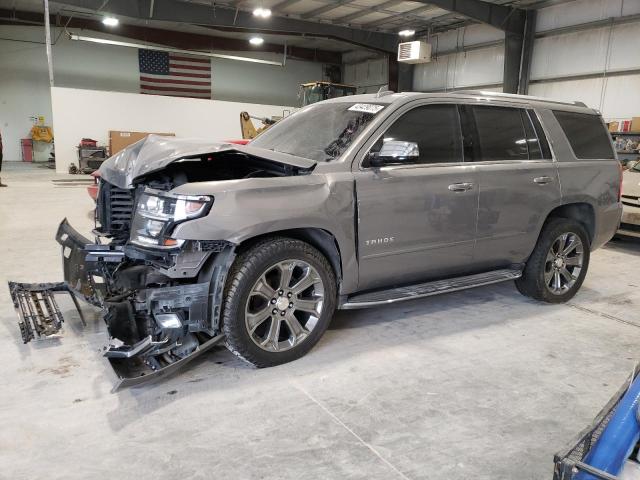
(161, 310)
(161, 296)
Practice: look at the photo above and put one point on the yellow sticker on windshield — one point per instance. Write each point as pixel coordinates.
(366, 108)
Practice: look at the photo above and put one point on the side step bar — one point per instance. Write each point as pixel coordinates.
(38, 310)
(399, 294)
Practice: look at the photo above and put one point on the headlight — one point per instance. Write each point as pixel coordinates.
(158, 212)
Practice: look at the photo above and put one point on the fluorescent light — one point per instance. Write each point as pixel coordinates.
(406, 33)
(156, 48)
(256, 40)
(262, 12)
(110, 21)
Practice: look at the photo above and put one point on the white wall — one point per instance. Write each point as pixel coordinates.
(24, 92)
(186, 117)
(24, 84)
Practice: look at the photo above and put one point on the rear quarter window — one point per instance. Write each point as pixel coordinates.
(586, 134)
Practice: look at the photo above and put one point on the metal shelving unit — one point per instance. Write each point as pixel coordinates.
(626, 156)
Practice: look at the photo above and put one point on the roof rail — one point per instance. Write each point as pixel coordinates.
(523, 97)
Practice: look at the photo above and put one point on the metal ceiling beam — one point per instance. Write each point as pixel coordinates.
(359, 13)
(278, 7)
(501, 17)
(171, 38)
(362, 11)
(398, 16)
(222, 16)
(325, 9)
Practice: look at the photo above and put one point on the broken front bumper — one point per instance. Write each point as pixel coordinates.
(136, 297)
(90, 272)
(131, 371)
(36, 304)
(84, 263)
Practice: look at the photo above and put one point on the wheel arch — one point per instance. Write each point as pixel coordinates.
(323, 240)
(582, 212)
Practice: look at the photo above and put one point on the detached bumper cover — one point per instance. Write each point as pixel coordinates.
(83, 261)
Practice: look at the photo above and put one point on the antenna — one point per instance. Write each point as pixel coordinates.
(383, 92)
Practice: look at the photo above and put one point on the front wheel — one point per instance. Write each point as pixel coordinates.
(279, 299)
(557, 267)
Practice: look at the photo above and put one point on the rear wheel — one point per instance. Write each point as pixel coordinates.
(557, 267)
(279, 300)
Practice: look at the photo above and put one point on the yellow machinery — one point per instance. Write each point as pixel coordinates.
(317, 91)
(309, 93)
(247, 128)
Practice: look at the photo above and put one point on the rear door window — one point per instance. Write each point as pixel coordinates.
(586, 134)
(502, 133)
(499, 134)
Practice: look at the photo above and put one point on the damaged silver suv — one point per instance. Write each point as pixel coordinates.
(353, 202)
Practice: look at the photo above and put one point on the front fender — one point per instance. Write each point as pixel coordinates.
(244, 209)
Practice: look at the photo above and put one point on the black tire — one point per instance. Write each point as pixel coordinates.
(532, 283)
(246, 270)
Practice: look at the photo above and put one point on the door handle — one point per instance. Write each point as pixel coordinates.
(460, 187)
(543, 180)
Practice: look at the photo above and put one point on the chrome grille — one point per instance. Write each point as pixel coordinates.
(114, 211)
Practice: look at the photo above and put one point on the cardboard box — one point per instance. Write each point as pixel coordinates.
(119, 140)
(635, 125)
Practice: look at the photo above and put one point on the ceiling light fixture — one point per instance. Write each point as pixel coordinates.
(262, 12)
(157, 48)
(110, 21)
(407, 33)
(256, 40)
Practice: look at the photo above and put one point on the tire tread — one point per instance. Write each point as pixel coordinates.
(531, 283)
(240, 274)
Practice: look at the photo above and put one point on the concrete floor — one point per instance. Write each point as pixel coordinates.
(481, 384)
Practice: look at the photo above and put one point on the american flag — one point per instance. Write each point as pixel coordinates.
(174, 74)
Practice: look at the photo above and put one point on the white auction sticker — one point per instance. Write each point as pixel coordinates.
(366, 108)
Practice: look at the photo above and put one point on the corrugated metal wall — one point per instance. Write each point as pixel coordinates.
(598, 64)
(452, 69)
(368, 74)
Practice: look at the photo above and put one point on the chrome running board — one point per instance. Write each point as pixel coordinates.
(382, 297)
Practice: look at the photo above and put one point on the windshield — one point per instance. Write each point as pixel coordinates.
(320, 132)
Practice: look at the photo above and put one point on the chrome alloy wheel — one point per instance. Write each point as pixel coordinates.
(284, 305)
(564, 263)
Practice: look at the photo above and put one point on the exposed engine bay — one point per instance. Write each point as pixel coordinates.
(160, 296)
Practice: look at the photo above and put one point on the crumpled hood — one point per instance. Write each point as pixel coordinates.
(631, 183)
(155, 152)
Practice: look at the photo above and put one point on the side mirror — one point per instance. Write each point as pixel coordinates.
(394, 151)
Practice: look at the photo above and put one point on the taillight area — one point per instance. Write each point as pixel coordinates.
(620, 182)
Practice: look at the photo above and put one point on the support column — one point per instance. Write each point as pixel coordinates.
(400, 75)
(47, 35)
(514, 43)
(527, 52)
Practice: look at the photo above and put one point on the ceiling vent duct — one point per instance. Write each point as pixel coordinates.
(414, 52)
